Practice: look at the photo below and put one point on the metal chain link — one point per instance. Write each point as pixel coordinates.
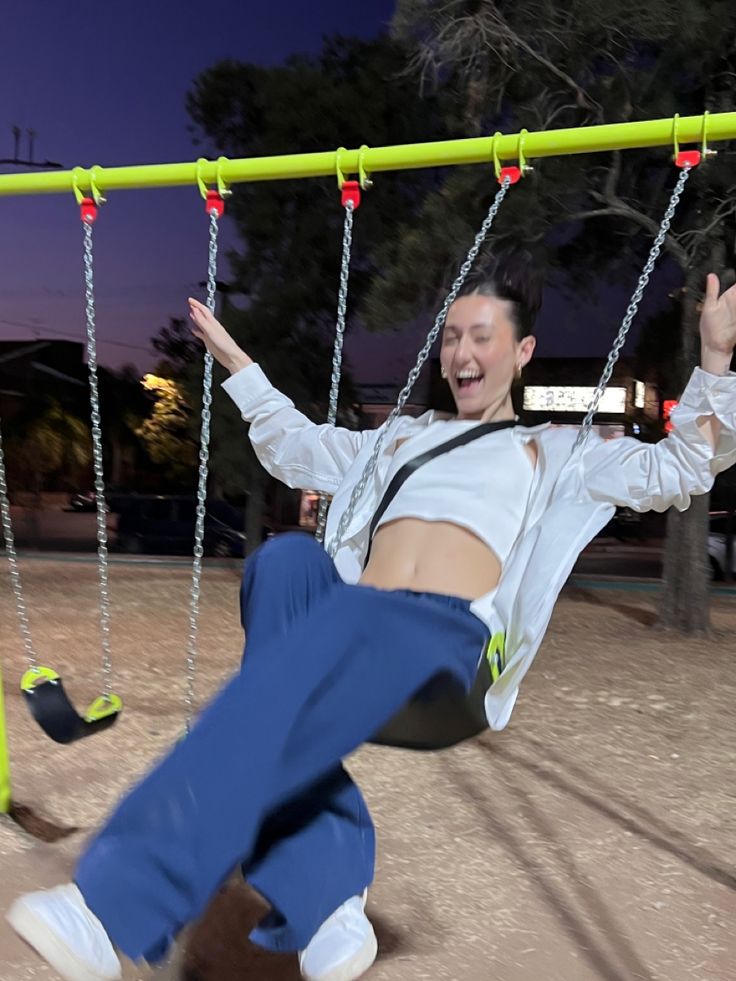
(12, 555)
(370, 466)
(342, 302)
(632, 308)
(94, 402)
(204, 446)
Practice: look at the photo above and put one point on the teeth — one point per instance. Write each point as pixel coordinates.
(469, 374)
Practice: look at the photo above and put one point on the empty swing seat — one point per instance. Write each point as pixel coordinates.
(55, 713)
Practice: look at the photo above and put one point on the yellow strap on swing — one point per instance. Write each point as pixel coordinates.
(495, 655)
(101, 708)
(5, 789)
(37, 675)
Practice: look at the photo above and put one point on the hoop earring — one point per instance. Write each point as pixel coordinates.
(518, 372)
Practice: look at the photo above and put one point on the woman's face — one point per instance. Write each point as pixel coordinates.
(480, 354)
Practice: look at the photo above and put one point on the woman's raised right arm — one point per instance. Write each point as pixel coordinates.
(290, 446)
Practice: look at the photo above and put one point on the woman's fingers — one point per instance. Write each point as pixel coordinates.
(712, 289)
(200, 315)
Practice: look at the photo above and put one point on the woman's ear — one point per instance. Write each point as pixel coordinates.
(526, 350)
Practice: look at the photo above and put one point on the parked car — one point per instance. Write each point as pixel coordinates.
(155, 523)
(115, 500)
(717, 533)
(83, 501)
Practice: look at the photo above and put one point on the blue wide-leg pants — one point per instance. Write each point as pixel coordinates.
(259, 780)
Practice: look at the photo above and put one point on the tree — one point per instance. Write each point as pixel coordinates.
(166, 432)
(45, 439)
(353, 92)
(501, 65)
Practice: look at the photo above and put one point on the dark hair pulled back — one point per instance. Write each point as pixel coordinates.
(512, 276)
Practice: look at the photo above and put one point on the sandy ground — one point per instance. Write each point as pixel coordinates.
(594, 839)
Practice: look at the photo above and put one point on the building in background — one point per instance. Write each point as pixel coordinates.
(41, 368)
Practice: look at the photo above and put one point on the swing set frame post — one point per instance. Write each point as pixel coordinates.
(5, 791)
(476, 150)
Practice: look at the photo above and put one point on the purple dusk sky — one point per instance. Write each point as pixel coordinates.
(106, 84)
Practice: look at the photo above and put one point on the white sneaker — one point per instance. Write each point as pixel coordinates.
(60, 927)
(343, 948)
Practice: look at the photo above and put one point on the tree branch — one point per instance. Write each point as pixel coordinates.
(620, 209)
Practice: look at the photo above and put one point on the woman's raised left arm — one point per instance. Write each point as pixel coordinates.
(702, 443)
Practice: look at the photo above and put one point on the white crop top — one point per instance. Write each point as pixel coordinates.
(483, 486)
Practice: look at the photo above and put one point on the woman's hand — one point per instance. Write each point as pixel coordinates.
(216, 339)
(717, 327)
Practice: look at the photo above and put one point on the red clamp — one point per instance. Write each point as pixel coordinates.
(214, 202)
(513, 174)
(88, 210)
(350, 192)
(688, 158)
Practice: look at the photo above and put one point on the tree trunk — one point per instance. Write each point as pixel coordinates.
(686, 599)
(34, 513)
(254, 508)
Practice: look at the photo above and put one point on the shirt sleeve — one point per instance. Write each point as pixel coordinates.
(656, 476)
(291, 447)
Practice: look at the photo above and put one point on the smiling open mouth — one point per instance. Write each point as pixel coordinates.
(468, 384)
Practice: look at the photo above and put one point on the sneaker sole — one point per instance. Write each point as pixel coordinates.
(354, 967)
(38, 934)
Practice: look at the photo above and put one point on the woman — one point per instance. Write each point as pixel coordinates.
(477, 541)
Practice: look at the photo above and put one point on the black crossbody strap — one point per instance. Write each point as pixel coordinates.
(413, 465)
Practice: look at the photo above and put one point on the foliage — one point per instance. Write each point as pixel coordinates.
(285, 275)
(46, 439)
(543, 65)
(166, 432)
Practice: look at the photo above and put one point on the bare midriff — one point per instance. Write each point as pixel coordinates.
(431, 557)
(434, 556)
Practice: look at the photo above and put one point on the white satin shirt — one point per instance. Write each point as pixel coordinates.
(572, 496)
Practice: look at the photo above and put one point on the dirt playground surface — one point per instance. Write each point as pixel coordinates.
(594, 839)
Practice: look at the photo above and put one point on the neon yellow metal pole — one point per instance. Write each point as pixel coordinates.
(5, 795)
(479, 150)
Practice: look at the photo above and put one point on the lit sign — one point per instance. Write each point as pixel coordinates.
(572, 398)
(639, 395)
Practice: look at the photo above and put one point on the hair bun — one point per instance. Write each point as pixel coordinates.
(514, 276)
(519, 277)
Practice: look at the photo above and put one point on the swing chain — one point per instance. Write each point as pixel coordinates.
(204, 445)
(20, 604)
(342, 303)
(370, 466)
(94, 400)
(632, 307)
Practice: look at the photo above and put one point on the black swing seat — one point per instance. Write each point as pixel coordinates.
(53, 710)
(442, 715)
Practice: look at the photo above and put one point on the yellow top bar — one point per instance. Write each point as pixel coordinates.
(480, 150)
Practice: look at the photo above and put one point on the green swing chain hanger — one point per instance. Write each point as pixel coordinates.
(506, 176)
(350, 198)
(449, 719)
(215, 208)
(686, 161)
(42, 687)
